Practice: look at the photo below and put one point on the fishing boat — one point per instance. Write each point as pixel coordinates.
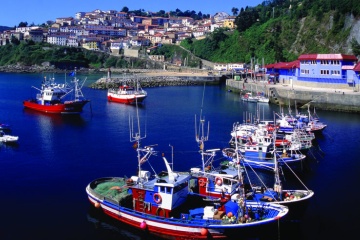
(5, 138)
(58, 98)
(315, 125)
(216, 183)
(248, 97)
(127, 94)
(164, 204)
(296, 200)
(262, 98)
(257, 148)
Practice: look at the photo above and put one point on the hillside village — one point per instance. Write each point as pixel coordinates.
(117, 32)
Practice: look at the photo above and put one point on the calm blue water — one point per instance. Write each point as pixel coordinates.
(43, 178)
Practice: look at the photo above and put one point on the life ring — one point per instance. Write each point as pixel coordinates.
(218, 181)
(202, 182)
(157, 198)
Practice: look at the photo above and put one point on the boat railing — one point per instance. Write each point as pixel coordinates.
(190, 220)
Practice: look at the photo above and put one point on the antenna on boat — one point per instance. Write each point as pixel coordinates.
(172, 156)
(200, 135)
(135, 136)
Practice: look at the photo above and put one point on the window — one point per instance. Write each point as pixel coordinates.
(324, 72)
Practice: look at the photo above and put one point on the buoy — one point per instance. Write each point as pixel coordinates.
(97, 205)
(230, 214)
(143, 225)
(204, 231)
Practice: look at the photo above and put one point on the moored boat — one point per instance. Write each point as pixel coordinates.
(262, 98)
(164, 204)
(296, 199)
(248, 97)
(57, 98)
(127, 94)
(5, 138)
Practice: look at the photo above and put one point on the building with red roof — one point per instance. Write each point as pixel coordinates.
(318, 69)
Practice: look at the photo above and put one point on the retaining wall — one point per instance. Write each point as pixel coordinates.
(332, 99)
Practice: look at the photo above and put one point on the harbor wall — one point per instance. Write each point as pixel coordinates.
(329, 98)
(155, 81)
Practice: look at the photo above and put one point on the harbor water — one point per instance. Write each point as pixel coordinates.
(43, 177)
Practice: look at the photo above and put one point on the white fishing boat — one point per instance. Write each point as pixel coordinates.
(5, 138)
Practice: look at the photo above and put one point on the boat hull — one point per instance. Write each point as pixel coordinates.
(127, 99)
(294, 160)
(179, 228)
(69, 107)
(296, 200)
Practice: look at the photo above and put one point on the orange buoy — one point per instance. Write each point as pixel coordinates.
(97, 205)
(204, 231)
(143, 225)
(230, 214)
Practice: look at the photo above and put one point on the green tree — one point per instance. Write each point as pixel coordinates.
(235, 11)
(355, 47)
(14, 40)
(125, 9)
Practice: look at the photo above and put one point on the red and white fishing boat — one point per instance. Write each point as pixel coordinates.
(58, 98)
(166, 204)
(127, 94)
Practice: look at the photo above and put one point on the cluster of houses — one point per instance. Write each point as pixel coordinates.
(119, 32)
(112, 31)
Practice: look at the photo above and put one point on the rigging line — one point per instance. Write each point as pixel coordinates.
(296, 175)
(256, 174)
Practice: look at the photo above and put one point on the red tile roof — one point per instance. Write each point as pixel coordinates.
(327, 57)
(357, 67)
(284, 65)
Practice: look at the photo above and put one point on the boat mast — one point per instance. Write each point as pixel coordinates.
(135, 136)
(239, 159)
(200, 136)
(277, 182)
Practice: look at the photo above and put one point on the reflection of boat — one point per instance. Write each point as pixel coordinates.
(8, 138)
(55, 98)
(165, 205)
(127, 94)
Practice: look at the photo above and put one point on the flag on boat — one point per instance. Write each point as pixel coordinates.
(72, 74)
(135, 146)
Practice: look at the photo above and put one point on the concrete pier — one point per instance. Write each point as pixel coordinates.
(331, 98)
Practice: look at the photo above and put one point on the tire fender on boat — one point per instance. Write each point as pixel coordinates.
(157, 198)
(159, 211)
